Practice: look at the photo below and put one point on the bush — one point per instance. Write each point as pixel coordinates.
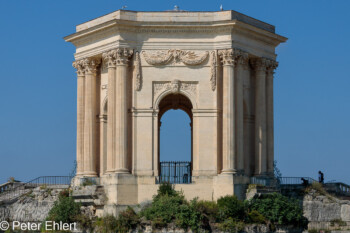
(65, 209)
(255, 217)
(279, 209)
(127, 220)
(107, 224)
(163, 209)
(230, 207)
(209, 209)
(166, 189)
(231, 225)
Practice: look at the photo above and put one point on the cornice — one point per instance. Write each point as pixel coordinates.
(120, 26)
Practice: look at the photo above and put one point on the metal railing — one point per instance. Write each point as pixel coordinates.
(44, 181)
(175, 172)
(296, 180)
(282, 181)
(264, 181)
(338, 188)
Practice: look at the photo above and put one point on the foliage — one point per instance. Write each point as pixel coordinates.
(230, 207)
(127, 220)
(88, 182)
(64, 193)
(166, 188)
(163, 209)
(208, 209)
(255, 217)
(107, 224)
(11, 179)
(338, 222)
(169, 206)
(231, 225)
(65, 209)
(279, 209)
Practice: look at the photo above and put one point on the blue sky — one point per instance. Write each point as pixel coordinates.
(38, 83)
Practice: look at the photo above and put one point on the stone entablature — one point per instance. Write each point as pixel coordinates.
(126, 83)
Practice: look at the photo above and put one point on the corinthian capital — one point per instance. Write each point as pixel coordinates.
(260, 64)
(243, 59)
(91, 65)
(231, 56)
(271, 66)
(110, 58)
(79, 65)
(123, 55)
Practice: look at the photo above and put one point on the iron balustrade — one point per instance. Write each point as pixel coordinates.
(175, 172)
(42, 181)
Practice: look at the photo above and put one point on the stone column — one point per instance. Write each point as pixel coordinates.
(228, 113)
(260, 116)
(90, 118)
(122, 60)
(269, 116)
(103, 157)
(110, 58)
(241, 63)
(80, 115)
(117, 141)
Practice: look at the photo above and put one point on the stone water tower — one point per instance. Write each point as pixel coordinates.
(133, 66)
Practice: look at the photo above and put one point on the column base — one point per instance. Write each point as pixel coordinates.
(89, 174)
(229, 171)
(121, 170)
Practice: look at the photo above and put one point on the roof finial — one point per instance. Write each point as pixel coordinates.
(176, 8)
(221, 8)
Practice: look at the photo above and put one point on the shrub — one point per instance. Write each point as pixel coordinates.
(279, 209)
(255, 217)
(88, 182)
(163, 209)
(127, 220)
(188, 217)
(65, 209)
(231, 225)
(166, 189)
(64, 193)
(209, 209)
(107, 224)
(230, 207)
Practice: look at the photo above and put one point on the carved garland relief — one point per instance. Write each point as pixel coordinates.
(174, 55)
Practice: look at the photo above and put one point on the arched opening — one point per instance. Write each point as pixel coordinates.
(175, 139)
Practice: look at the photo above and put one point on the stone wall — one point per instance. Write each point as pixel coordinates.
(326, 211)
(33, 206)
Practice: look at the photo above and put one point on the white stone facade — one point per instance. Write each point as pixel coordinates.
(134, 66)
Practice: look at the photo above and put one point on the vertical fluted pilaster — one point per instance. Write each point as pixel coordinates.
(80, 115)
(260, 116)
(269, 116)
(90, 117)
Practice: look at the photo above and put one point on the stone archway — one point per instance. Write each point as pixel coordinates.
(175, 172)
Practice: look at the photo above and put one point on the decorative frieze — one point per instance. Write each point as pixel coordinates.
(174, 55)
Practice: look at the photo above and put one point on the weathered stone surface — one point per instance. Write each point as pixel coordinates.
(345, 212)
(32, 207)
